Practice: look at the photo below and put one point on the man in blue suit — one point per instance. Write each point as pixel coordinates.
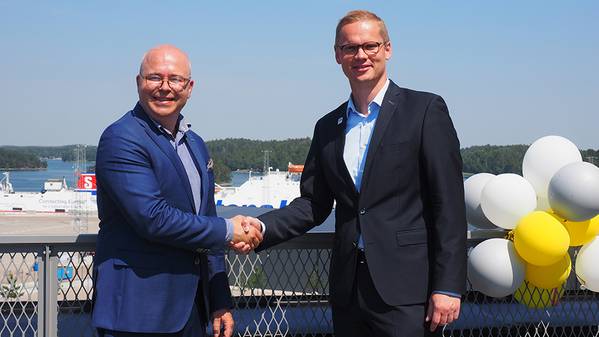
(159, 266)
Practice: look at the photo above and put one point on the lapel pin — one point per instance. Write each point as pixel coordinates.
(340, 120)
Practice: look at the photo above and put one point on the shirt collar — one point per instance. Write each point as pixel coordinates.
(378, 99)
(183, 126)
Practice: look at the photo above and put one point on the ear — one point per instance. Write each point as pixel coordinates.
(388, 51)
(338, 56)
(190, 88)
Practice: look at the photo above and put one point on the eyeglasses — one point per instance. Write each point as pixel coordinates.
(370, 48)
(175, 82)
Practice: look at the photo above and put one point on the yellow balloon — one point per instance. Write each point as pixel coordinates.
(551, 276)
(540, 239)
(581, 232)
(538, 298)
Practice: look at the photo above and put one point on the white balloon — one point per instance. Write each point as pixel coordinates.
(543, 159)
(506, 199)
(587, 263)
(574, 191)
(473, 188)
(495, 269)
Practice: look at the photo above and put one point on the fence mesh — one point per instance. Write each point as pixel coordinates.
(283, 292)
(18, 293)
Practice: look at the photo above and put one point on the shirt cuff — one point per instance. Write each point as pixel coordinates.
(229, 235)
(448, 293)
(262, 226)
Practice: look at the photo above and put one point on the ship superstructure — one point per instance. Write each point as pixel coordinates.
(274, 189)
(55, 197)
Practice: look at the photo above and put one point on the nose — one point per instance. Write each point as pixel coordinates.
(360, 54)
(164, 86)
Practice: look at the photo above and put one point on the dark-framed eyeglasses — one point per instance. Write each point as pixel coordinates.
(175, 82)
(370, 48)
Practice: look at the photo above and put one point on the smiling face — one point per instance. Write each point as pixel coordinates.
(159, 99)
(362, 68)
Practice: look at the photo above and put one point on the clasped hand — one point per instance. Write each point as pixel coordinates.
(247, 234)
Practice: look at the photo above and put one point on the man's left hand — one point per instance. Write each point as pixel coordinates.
(442, 310)
(220, 319)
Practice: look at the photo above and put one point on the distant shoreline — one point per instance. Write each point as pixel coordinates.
(24, 169)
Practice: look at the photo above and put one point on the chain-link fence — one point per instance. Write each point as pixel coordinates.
(46, 290)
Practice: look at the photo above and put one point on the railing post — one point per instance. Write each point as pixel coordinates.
(47, 308)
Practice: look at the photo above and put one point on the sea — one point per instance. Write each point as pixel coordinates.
(33, 181)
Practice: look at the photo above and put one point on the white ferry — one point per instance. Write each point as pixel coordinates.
(55, 197)
(275, 189)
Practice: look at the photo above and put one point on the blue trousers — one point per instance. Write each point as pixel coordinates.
(193, 328)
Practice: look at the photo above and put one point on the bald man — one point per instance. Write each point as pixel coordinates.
(159, 266)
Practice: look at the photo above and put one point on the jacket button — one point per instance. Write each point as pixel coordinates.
(196, 261)
(363, 211)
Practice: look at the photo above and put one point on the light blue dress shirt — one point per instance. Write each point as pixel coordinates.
(358, 132)
(178, 141)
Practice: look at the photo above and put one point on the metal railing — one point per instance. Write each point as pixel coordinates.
(46, 289)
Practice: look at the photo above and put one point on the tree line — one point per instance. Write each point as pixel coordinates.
(14, 159)
(240, 154)
(65, 152)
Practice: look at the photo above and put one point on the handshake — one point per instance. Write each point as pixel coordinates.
(247, 234)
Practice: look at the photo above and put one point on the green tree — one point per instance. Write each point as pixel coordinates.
(257, 279)
(13, 289)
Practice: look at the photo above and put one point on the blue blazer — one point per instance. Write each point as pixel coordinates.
(154, 249)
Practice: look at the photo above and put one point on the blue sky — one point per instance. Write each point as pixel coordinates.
(511, 72)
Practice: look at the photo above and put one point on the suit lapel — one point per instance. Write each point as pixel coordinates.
(390, 104)
(201, 165)
(165, 146)
(341, 124)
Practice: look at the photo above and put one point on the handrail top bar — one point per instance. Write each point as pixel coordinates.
(47, 239)
(91, 238)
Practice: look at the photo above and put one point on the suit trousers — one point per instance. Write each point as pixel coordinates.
(193, 328)
(369, 315)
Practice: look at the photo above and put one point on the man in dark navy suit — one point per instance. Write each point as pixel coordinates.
(159, 267)
(390, 159)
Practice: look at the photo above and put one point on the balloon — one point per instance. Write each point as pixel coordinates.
(587, 263)
(538, 298)
(543, 159)
(580, 232)
(494, 268)
(506, 198)
(473, 188)
(540, 239)
(550, 276)
(574, 191)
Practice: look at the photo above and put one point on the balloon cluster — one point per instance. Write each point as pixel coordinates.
(553, 206)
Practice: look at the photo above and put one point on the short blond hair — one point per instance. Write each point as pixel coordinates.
(361, 15)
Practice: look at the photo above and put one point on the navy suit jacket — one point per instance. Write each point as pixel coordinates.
(148, 266)
(410, 208)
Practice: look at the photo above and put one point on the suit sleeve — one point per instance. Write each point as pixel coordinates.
(442, 165)
(124, 172)
(218, 284)
(310, 209)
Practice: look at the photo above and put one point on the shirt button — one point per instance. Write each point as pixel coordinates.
(363, 211)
